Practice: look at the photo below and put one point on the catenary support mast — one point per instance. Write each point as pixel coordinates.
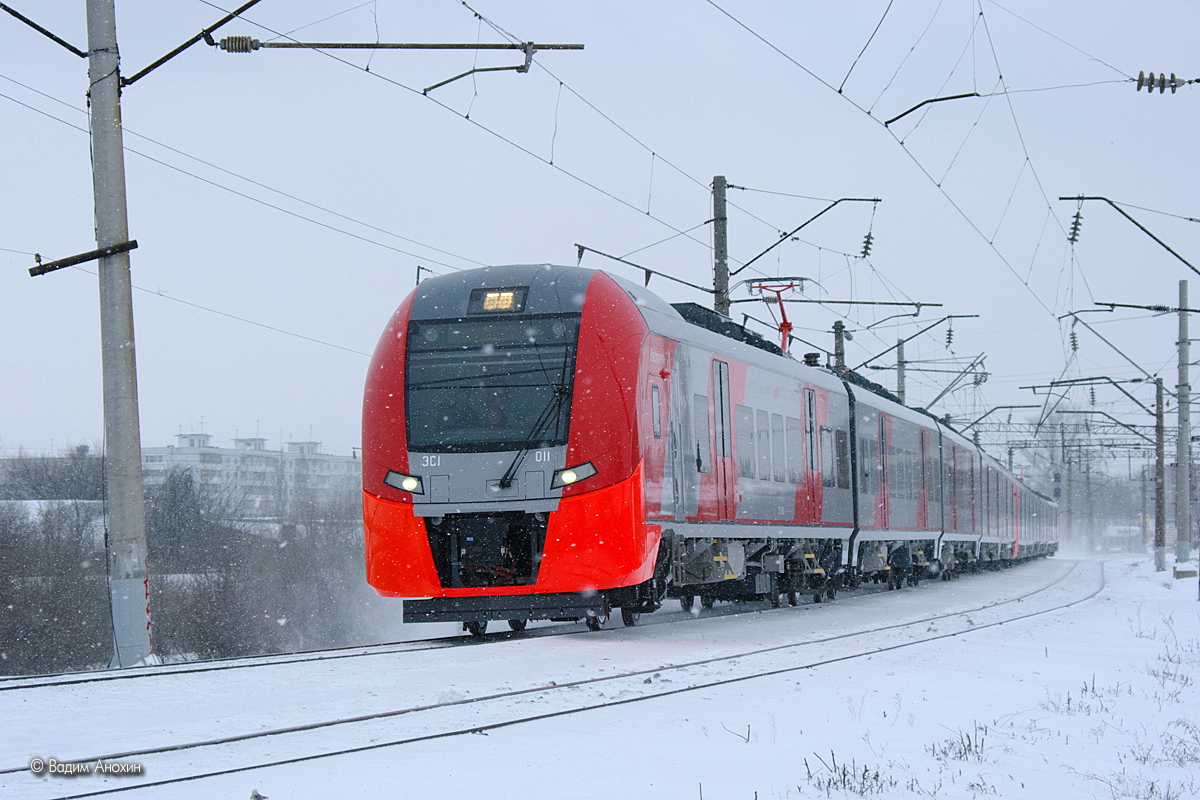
(720, 248)
(1183, 450)
(126, 522)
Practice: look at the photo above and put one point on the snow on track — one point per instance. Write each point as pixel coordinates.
(417, 696)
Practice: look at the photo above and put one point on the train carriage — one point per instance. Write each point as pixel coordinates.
(545, 442)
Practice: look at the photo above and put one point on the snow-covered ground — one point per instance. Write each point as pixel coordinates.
(946, 690)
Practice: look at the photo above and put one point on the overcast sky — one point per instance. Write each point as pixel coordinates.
(298, 191)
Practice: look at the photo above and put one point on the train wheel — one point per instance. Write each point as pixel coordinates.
(793, 598)
(476, 627)
(629, 616)
(686, 602)
(774, 598)
(594, 623)
(831, 592)
(817, 597)
(707, 602)
(517, 625)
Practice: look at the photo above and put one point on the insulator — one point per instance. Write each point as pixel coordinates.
(949, 336)
(239, 44)
(1074, 342)
(1076, 224)
(1093, 391)
(866, 248)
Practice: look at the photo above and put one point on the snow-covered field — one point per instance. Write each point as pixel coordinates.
(1059, 678)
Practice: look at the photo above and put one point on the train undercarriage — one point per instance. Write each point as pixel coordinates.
(695, 571)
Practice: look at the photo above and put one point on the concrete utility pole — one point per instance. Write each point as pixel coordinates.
(1183, 451)
(720, 248)
(126, 525)
(900, 370)
(1160, 481)
(839, 346)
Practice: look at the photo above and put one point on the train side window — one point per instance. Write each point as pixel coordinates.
(778, 453)
(868, 457)
(656, 412)
(764, 446)
(828, 468)
(702, 437)
(795, 462)
(743, 418)
(842, 449)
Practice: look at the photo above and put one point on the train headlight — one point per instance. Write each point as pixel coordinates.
(405, 483)
(570, 475)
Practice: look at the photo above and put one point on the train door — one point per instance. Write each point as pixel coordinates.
(724, 465)
(883, 507)
(676, 449)
(812, 479)
(868, 466)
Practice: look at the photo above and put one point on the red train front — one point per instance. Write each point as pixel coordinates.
(501, 463)
(552, 442)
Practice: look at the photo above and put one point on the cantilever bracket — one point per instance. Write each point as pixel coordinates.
(91, 255)
(529, 47)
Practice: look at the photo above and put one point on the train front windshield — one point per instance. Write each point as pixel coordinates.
(488, 384)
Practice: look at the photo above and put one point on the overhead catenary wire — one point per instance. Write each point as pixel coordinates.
(495, 134)
(953, 203)
(246, 320)
(654, 154)
(625, 131)
(1060, 39)
(870, 39)
(241, 177)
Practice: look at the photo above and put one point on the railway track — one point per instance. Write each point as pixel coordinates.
(397, 727)
(19, 682)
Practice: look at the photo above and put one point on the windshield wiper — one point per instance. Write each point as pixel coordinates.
(553, 410)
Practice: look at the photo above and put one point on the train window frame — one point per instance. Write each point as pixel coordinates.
(794, 433)
(762, 438)
(743, 420)
(841, 452)
(702, 431)
(868, 461)
(656, 411)
(444, 356)
(828, 467)
(778, 448)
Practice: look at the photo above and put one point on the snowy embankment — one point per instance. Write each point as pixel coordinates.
(1054, 679)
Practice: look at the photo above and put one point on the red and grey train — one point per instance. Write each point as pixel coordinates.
(546, 442)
